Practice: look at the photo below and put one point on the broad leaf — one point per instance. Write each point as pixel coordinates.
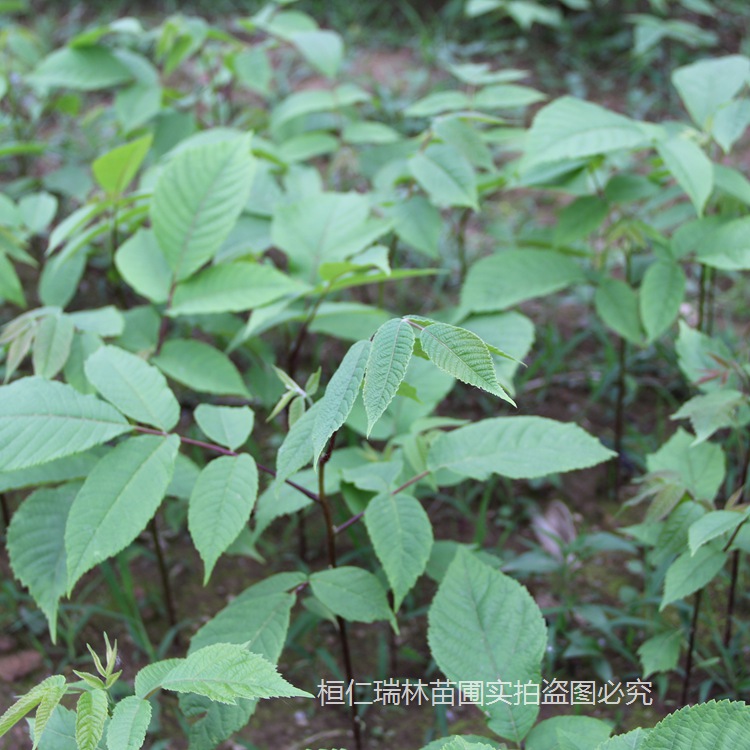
(36, 546)
(389, 357)
(516, 447)
(690, 572)
(232, 287)
(339, 397)
(661, 294)
(30, 701)
(446, 176)
(41, 420)
(660, 653)
(713, 524)
(117, 500)
(197, 201)
(136, 388)
(322, 49)
(92, 711)
(485, 626)
(52, 343)
(296, 451)
(462, 354)
(115, 170)
(226, 672)
(142, 264)
(352, 593)
(201, 367)
(401, 535)
(550, 734)
(711, 412)
(570, 128)
(418, 223)
(229, 426)
(617, 305)
(504, 279)
(84, 68)
(130, 720)
(690, 167)
(220, 505)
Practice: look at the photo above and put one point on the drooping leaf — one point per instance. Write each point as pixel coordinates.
(418, 223)
(36, 546)
(339, 396)
(229, 426)
(130, 720)
(92, 711)
(389, 357)
(225, 672)
(136, 388)
(296, 451)
(617, 305)
(52, 343)
(352, 593)
(504, 279)
(660, 653)
(142, 264)
(201, 367)
(462, 354)
(232, 287)
(690, 167)
(321, 48)
(401, 535)
(690, 572)
(29, 701)
(446, 176)
(117, 500)
(37, 210)
(712, 525)
(115, 170)
(485, 626)
(220, 505)
(516, 447)
(710, 412)
(82, 68)
(53, 694)
(41, 420)
(661, 294)
(197, 201)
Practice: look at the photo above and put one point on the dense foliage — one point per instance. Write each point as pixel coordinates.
(219, 255)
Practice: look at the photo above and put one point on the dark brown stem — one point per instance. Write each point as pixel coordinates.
(691, 648)
(620, 413)
(164, 574)
(731, 598)
(461, 242)
(702, 294)
(164, 325)
(226, 452)
(6, 510)
(291, 362)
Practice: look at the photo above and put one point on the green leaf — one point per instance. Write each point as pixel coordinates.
(115, 170)
(233, 287)
(700, 467)
(36, 547)
(711, 412)
(37, 211)
(150, 677)
(548, 734)
(389, 357)
(52, 343)
(84, 68)
(580, 218)
(225, 672)
(401, 535)
(220, 505)
(322, 49)
(438, 102)
(117, 500)
(418, 223)
(504, 279)
(29, 701)
(661, 294)
(726, 246)
(303, 103)
(690, 572)
(103, 321)
(660, 653)
(719, 725)
(53, 694)
(617, 305)
(352, 593)
(339, 397)
(697, 357)
(229, 426)
(201, 367)
(730, 123)
(690, 167)
(296, 451)
(706, 86)
(142, 264)
(197, 200)
(485, 626)
(446, 176)
(570, 128)
(10, 285)
(41, 420)
(136, 388)
(516, 447)
(462, 354)
(324, 228)
(130, 720)
(713, 524)
(92, 711)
